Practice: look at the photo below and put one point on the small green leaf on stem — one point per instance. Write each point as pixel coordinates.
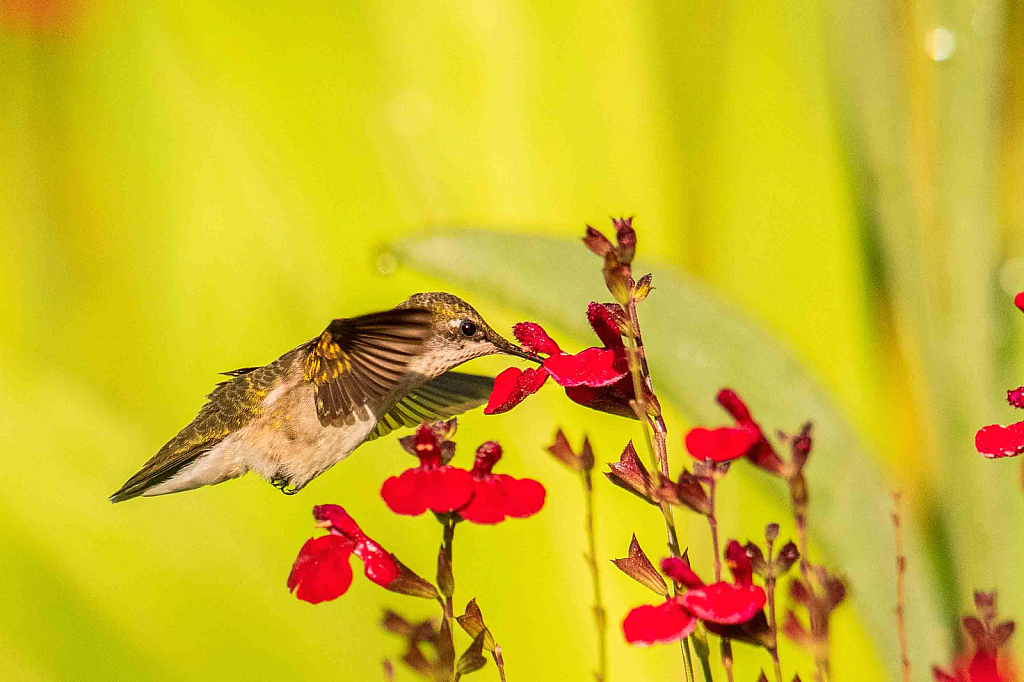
(472, 621)
(473, 658)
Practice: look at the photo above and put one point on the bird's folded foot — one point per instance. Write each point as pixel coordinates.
(281, 483)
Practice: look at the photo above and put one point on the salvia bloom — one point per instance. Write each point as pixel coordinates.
(478, 495)
(722, 444)
(722, 602)
(597, 377)
(433, 485)
(1004, 441)
(499, 496)
(321, 571)
(987, 637)
(761, 453)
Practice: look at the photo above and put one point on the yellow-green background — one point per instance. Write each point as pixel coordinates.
(190, 188)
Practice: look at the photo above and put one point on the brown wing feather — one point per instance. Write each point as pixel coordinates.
(359, 361)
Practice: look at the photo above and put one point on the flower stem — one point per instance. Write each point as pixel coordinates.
(713, 525)
(657, 447)
(499, 662)
(448, 585)
(773, 650)
(773, 629)
(600, 617)
(901, 571)
(700, 645)
(684, 645)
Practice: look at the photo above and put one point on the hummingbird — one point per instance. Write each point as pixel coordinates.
(363, 377)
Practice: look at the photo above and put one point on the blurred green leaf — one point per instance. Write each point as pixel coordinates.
(696, 345)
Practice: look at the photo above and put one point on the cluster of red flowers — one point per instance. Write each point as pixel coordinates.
(321, 571)
(596, 377)
(1004, 441)
(721, 602)
(476, 495)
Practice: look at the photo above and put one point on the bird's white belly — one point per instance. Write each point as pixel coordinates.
(295, 447)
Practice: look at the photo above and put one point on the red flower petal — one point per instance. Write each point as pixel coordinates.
(1000, 441)
(488, 503)
(534, 339)
(666, 622)
(440, 489)
(739, 563)
(732, 403)
(487, 455)
(523, 496)
(680, 571)
(724, 603)
(604, 325)
(1016, 397)
(321, 572)
(512, 386)
(427, 444)
(593, 367)
(1018, 301)
(379, 565)
(339, 519)
(722, 444)
(984, 667)
(407, 492)
(941, 675)
(449, 489)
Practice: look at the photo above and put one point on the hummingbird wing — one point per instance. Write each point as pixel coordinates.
(450, 394)
(360, 361)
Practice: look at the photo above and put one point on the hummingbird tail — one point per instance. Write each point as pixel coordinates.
(153, 474)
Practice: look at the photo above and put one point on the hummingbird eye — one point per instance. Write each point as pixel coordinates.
(468, 328)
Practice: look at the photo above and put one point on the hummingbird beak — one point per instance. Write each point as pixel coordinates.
(511, 349)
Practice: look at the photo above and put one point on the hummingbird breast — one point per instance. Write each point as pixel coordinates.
(290, 443)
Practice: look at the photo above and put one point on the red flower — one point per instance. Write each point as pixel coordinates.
(666, 622)
(722, 444)
(1004, 441)
(1016, 397)
(762, 454)
(983, 667)
(432, 485)
(1000, 441)
(497, 496)
(987, 637)
(321, 571)
(723, 603)
(595, 377)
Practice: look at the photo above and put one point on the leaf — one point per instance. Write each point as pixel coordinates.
(473, 658)
(932, 218)
(700, 344)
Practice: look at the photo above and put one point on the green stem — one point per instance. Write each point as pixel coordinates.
(600, 616)
(703, 653)
(657, 448)
(449, 606)
(688, 661)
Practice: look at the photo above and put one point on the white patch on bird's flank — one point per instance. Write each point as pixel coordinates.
(275, 394)
(224, 461)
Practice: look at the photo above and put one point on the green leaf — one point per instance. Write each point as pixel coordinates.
(698, 344)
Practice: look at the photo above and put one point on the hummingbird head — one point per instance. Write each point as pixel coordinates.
(459, 332)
